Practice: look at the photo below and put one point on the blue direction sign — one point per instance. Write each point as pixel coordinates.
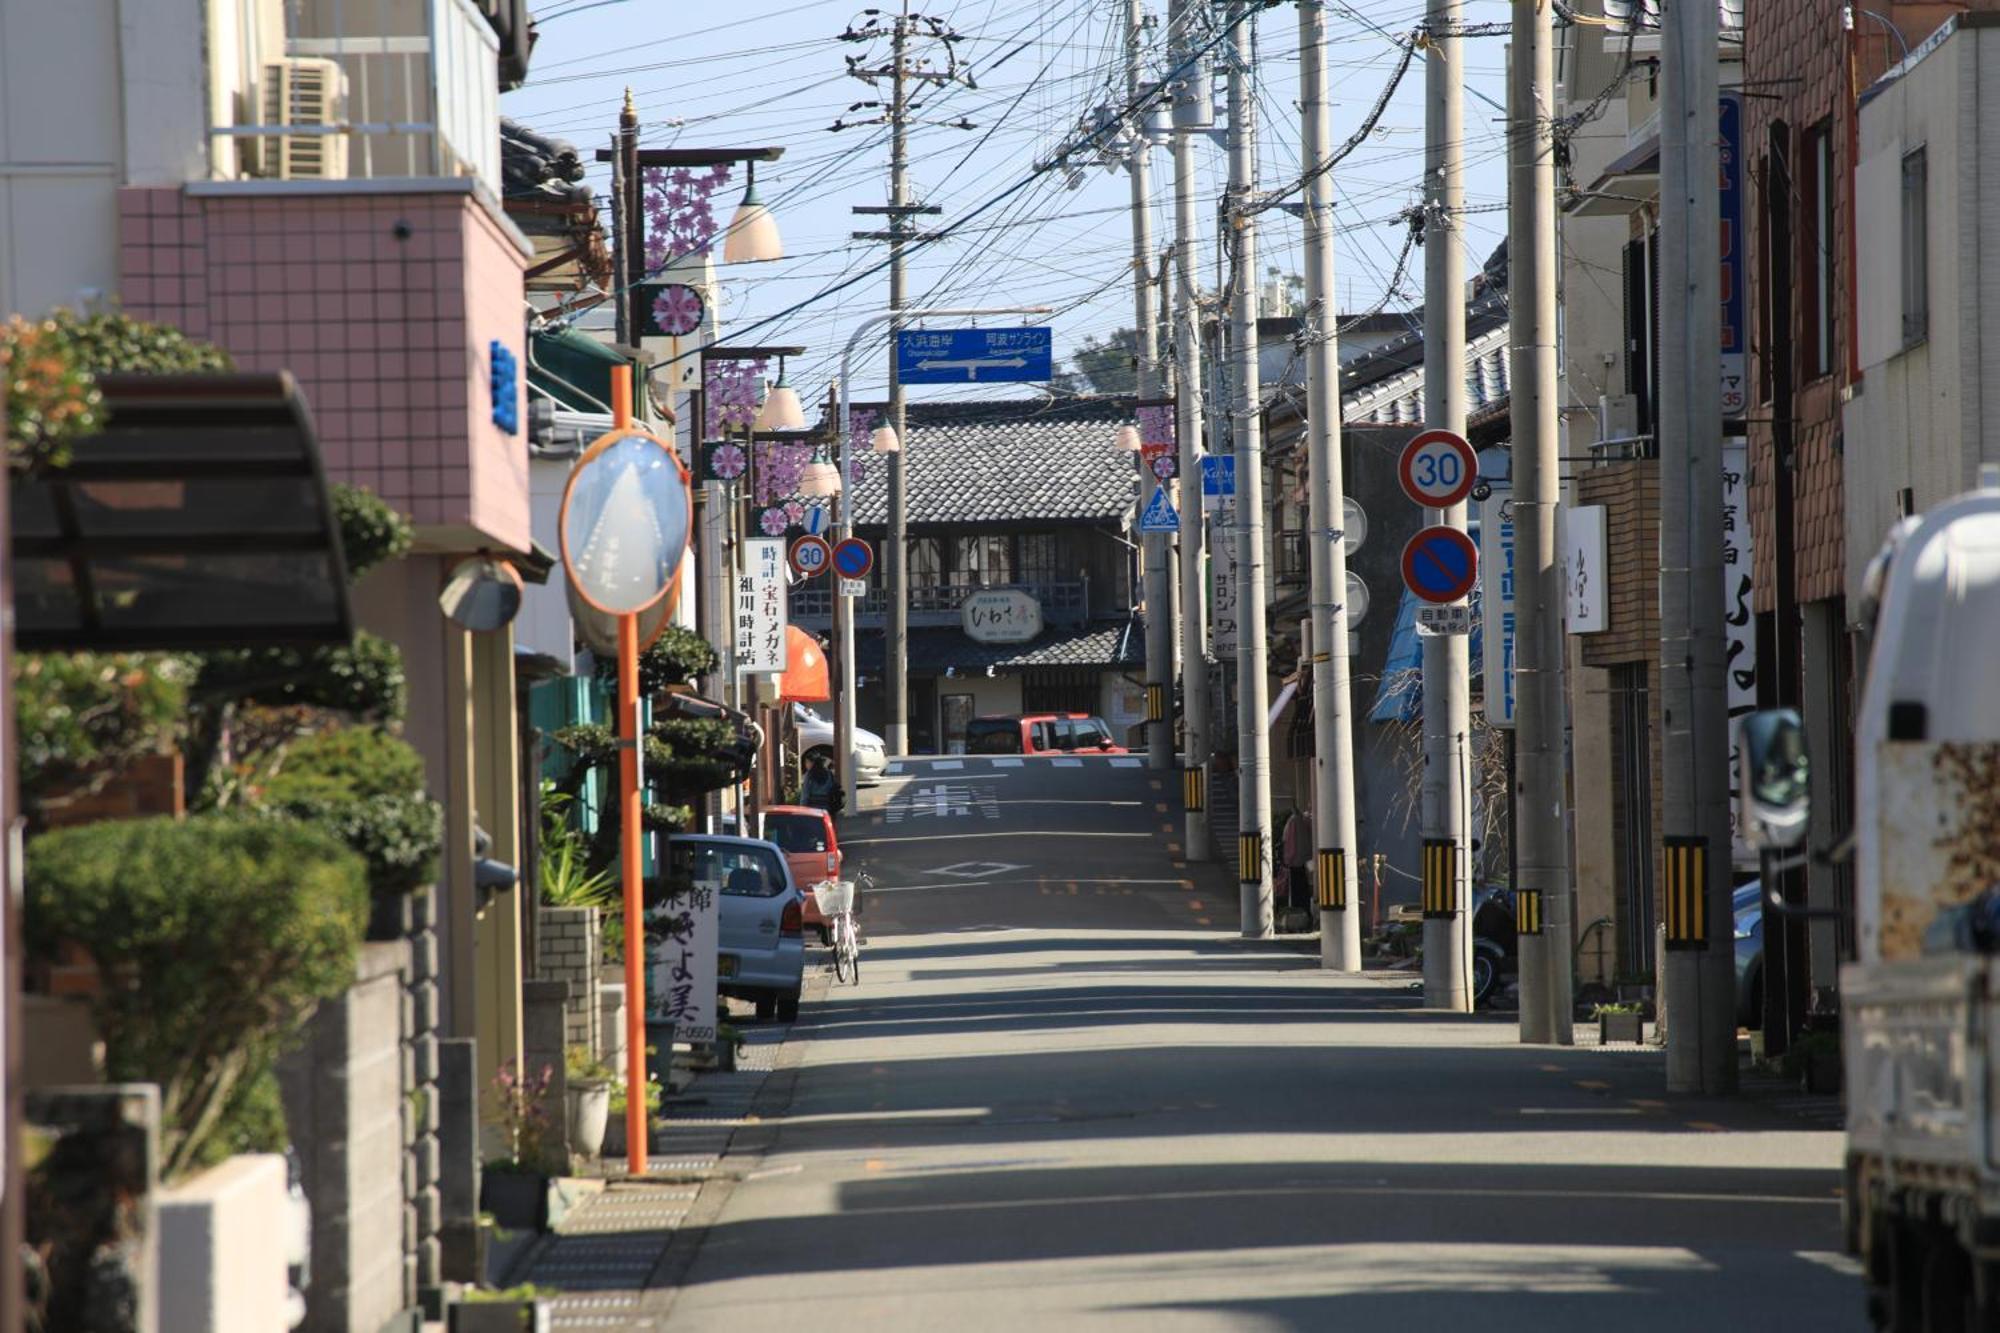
(1159, 515)
(972, 356)
(1440, 564)
(1218, 475)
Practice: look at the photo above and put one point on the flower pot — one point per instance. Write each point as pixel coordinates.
(589, 1112)
(498, 1317)
(516, 1199)
(1620, 1027)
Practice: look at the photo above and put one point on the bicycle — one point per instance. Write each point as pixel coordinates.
(835, 900)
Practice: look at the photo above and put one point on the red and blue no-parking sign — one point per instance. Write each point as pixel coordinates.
(853, 558)
(1440, 564)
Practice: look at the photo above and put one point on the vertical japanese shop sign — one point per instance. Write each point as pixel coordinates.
(1740, 629)
(760, 606)
(681, 942)
(1735, 333)
(1496, 601)
(1222, 591)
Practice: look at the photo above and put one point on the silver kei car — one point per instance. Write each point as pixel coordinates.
(761, 932)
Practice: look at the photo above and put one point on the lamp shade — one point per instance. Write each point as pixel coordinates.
(753, 232)
(1127, 439)
(819, 481)
(805, 679)
(883, 440)
(781, 410)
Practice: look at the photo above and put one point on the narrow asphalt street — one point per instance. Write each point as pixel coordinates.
(1064, 1095)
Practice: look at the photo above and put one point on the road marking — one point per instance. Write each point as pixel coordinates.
(1395, 1191)
(1194, 905)
(1845, 1264)
(892, 770)
(954, 837)
(1067, 763)
(1580, 1110)
(1007, 763)
(1706, 1126)
(1174, 850)
(947, 765)
(1550, 1069)
(1649, 1103)
(1117, 762)
(1159, 807)
(1593, 1085)
(1158, 785)
(1203, 921)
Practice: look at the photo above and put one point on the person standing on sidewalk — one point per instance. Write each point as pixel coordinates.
(1296, 848)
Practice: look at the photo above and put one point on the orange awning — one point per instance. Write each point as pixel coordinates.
(804, 681)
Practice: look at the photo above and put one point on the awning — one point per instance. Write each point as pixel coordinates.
(198, 518)
(573, 368)
(805, 680)
(1625, 183)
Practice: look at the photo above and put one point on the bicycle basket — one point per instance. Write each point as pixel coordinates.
(834, 896)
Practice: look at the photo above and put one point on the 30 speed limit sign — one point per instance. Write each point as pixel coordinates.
(1438, 469)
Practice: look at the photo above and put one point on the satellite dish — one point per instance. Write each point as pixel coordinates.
(626, 515)
(482, 595)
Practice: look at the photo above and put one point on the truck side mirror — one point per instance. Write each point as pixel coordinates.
(1774, 782)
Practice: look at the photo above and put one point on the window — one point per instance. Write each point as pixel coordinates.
(1770, 179)
(1640, 323)
(993, 735)
(796, 833)
(982, 562)
(1816, 291)
(1040, 559)
(741, 872)
(926, 562)
(1916, 248)
(1092, 734)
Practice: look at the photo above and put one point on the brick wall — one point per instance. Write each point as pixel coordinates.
(570, 948)
(1630, 494)
(383, 305)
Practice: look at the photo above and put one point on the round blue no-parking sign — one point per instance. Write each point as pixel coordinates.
(1440, 564)
(853, 558)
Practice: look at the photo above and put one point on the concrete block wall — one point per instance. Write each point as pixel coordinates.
(570, 948)
(544, 1016)
(344, 1106)
(225, 1250)
(422, 1202)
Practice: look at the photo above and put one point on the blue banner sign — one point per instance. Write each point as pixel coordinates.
(972, 356)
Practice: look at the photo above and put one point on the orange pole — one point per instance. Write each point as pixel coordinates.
(636, 1126)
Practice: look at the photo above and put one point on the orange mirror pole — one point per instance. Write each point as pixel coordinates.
(637, 1127)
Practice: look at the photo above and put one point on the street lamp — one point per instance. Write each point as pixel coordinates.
(781, 409)
(883, 440)
(753, 232)
(1127, 440)
(819, 480)
(844, 721)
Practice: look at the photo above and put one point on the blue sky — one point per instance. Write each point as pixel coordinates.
(767, 72)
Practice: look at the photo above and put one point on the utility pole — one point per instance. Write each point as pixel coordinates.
(1154, 546)
(1333, 724)
(1447, 794)
(900, 72)
(1541, 836)
(1191, 106)
(1253, 689)
(1694, 751)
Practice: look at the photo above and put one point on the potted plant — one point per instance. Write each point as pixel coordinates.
(515, 1188)
(522, 1309)
(589, 1093)
(614, 1129)
(1620, 1022)
(1813, 1059)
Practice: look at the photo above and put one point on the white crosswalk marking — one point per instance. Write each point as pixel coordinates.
(1126, 762)
(1067, 763)
(947, 765)
(1007, 763)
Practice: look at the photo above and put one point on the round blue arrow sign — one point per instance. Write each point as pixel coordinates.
(1440, 564)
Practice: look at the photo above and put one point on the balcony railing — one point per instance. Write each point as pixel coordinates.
(934, 604)
(393, 88)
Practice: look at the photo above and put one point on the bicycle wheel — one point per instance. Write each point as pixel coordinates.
(842, 948)
(853, 954)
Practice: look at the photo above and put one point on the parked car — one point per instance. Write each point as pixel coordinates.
(1040, 733)
(1495, 940)
(761, 954)
(816, 737)
(812, 850)
(1747, 907)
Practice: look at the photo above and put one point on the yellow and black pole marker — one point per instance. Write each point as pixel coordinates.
(1156, 702)
(1194, 790)
(1332, 870)
(1440, 877)
(1686, 861)
(1528, 911)
(1250, 857)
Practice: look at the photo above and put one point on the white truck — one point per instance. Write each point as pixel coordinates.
(1921, 1000)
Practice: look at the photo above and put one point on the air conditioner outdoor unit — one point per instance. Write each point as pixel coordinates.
(304, 91)
(1617, 416)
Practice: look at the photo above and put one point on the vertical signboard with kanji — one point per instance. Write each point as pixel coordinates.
(681, 941)
(760, 606)
(1735, 333)
(1222, 598)
(1496, 600)
(1740, 625)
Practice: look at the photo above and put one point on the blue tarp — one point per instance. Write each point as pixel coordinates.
(1400, 695)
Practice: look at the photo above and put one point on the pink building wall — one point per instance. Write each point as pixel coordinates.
(387, 334)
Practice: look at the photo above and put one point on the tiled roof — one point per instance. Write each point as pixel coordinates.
(1399, 399)
(1010, 461)
(1104, 644)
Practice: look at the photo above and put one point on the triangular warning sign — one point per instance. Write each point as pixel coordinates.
(1159, 515)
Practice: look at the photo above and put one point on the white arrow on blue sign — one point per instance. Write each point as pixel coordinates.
(1159, 515)
(973, 356)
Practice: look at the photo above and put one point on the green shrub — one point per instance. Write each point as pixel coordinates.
(370, 531)
(349, 762)
(399, 837)
(216, 938)
(76, 713)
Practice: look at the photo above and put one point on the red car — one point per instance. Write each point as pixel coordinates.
(805, 835)
(1041, 733)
